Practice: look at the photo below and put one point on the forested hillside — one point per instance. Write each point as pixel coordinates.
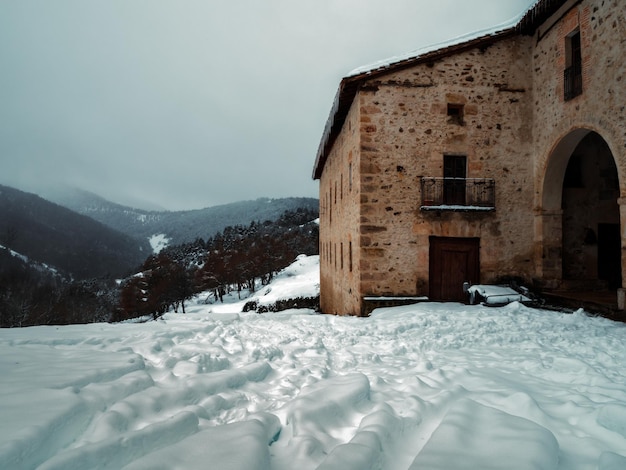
(76, 245)
(240, 257)
(32, 294)
(178, 226)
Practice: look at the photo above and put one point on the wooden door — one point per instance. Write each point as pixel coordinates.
(453, 261)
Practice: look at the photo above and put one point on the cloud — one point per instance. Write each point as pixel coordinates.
(193, 103)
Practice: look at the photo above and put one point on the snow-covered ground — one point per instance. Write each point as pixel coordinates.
(430, 386)
(158, 242)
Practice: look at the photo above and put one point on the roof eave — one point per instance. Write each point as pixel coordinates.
(346, 92)
(542, 11)
(350, 85)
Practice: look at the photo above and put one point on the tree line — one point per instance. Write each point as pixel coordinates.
(238, 258)
(33, 295)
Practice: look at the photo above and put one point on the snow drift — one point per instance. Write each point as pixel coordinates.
(439, 386)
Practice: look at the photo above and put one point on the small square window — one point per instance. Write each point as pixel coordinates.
(455, 114)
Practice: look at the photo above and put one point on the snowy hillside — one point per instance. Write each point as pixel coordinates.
(430, 386)
(74, 244)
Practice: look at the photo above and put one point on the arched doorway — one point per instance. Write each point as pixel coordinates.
(581, 216)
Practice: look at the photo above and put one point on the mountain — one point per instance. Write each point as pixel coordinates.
(177, 226)
(74, 244)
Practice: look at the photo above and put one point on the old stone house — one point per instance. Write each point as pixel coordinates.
(498, 156)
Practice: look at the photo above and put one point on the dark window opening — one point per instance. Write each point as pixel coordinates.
(454, 176)
(350, 254)
(572, 76)
(455, 114)
(330, 205)
(350, 177)
(341, 253)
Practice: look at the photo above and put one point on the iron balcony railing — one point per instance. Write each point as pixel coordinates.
(458, 193)
(572, 81)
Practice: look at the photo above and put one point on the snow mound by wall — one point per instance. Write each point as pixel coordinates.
(300, 280)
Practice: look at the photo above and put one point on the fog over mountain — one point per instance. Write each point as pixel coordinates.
(177, 226)
(196, 103)
(76, 245)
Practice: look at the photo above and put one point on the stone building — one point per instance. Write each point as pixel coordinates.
(494, 157)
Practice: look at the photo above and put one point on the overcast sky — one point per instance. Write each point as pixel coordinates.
(186, 104)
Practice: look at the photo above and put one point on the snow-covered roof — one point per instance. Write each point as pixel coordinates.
(415, 54)
(524, 23)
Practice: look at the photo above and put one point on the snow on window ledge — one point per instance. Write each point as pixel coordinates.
(458, 208)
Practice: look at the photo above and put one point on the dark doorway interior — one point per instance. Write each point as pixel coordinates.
(609, 255)
(591, 256)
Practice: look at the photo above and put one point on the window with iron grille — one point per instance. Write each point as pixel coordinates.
(572, 75)
(479, 194)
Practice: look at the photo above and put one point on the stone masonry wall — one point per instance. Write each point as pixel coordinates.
(339, 217)
(600, 108)
(516, 128)
(406, 131)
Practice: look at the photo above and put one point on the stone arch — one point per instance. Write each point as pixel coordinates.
(555, 169)
(572, 218)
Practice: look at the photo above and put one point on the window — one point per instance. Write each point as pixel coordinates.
(350, 177)
(341, 253)
(330, 205)
(455, 114)
(350, 254)
(572, 76)
(454, 175)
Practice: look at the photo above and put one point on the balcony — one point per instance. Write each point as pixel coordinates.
(572, 81)
(458, 194)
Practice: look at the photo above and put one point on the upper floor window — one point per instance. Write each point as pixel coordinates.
(455, 191)
(455, 114)
(573, 76)
(454, 174)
